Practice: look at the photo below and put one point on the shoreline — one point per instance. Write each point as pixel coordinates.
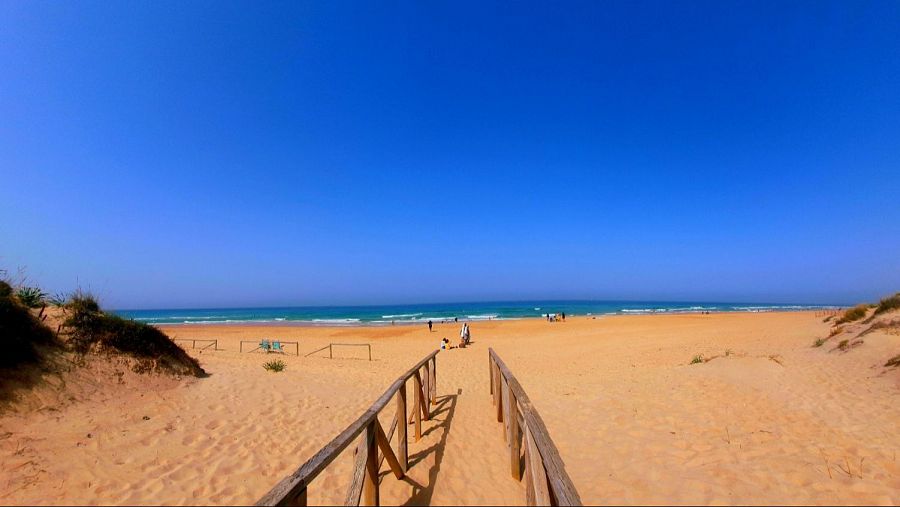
(408, 323)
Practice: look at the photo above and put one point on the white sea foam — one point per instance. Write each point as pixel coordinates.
(335, 321)
(482, 317)
(400, 315)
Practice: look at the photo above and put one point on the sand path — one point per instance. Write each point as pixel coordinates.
(463, 445)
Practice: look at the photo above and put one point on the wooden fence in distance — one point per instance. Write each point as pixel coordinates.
(292, 490)
(209, 343)
(331, 346)
(546, 480)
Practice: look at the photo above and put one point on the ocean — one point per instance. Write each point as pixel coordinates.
(437, 312)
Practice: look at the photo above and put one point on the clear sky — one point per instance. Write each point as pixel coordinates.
(172, 154)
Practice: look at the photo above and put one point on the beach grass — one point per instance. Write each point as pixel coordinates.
(89, 327)
(274, 366)
(888, 304)
(854, 314)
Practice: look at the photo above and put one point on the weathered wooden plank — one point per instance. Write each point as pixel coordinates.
(390, 435)
(359, 471)
(422, 398)
(529, 476)
(491, 373)
(417, 413)
(560, 483)
(402, 442)
(504, 390)
(370, 478)
(384, 444)
(512, 437)
(433, 383)
(292, 485)
(539, 485)
(500, 396)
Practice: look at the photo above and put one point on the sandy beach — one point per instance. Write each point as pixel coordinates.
(771, 420)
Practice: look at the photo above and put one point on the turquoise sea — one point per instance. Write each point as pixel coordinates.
(420, 313)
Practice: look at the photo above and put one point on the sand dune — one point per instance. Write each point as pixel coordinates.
(773, 421)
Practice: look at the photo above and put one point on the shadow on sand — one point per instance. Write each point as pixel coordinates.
(442, 414)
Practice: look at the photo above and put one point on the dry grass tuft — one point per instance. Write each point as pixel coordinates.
(854, 314)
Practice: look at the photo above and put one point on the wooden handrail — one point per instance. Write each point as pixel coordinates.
(292, 489)
(546, 480)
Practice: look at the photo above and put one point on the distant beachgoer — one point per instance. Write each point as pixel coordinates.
(563, 316)
(462, 331)
(444, 343)
(455, 319)
(429, 326)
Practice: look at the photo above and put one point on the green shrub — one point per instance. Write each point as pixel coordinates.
(697, 359)
(819, 342)
(89, 326)
(59, 299)
(844, 344)
(32, 297)
(853, 314)
(21, 334)
(274, 366)
(887, 304)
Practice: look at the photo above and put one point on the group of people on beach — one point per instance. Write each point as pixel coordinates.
(553, 317)
(464, 338)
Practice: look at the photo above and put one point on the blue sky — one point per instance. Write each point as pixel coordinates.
(178, 154)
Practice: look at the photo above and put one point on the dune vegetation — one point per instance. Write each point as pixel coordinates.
(31, 348)
(90, 329)
(853, 314)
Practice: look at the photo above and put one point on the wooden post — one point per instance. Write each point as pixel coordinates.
(504, 393)
(491, 372)
(512, 439)
(433, 383)
(417, 385)
(494, 383)
(370, 482)
(299, 500)
(500, 381)
(426, 385)
(402, 445)
(539, 491)
(330, 352)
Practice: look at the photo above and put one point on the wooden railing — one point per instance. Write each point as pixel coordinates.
(364, 484)
(546, 480)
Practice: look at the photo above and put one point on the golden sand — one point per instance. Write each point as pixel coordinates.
(771, 420)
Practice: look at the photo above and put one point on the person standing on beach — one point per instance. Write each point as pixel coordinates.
(563, 314)
(429, 326)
